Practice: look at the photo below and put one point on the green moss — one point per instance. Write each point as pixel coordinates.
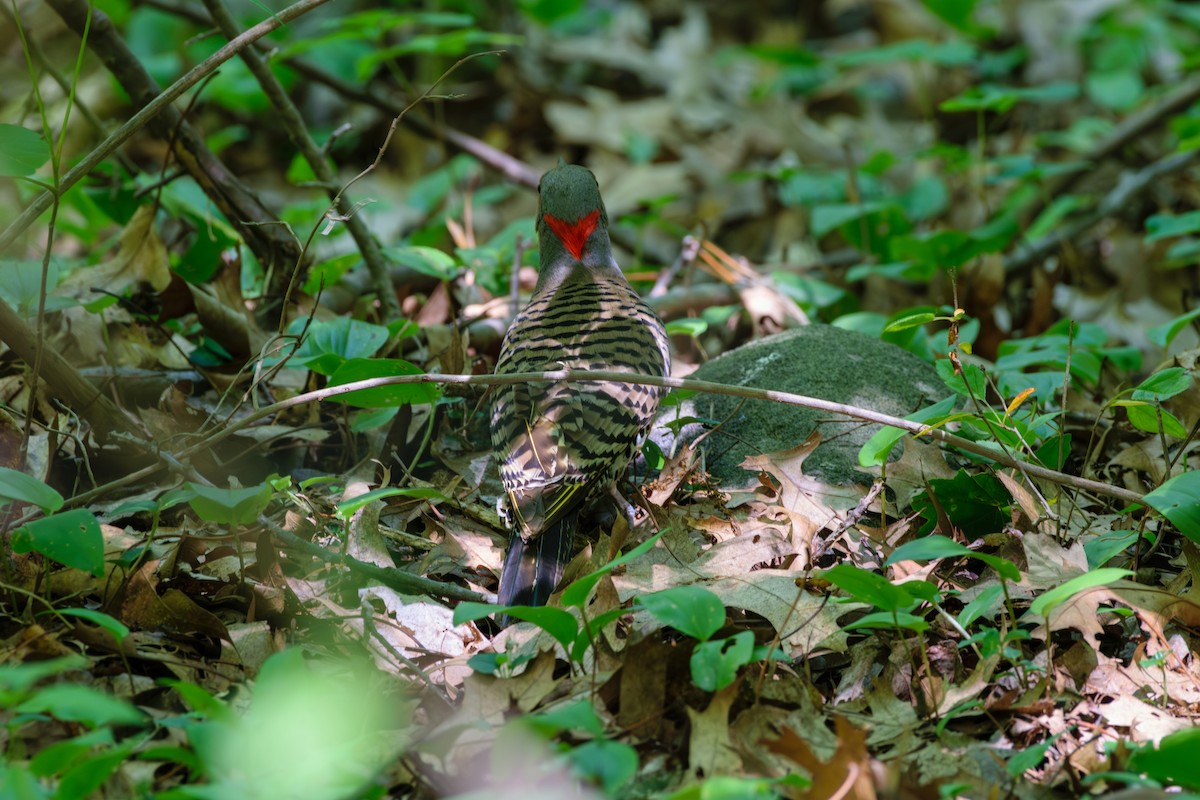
(818, 361)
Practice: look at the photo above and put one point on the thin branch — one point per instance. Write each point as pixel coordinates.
(148, 112)
(1130, 128)
(391, 304)
(1129, 187)
(394, 578)
(293, 123)
(578, 376)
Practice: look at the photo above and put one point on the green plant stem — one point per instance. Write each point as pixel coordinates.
(393, 578)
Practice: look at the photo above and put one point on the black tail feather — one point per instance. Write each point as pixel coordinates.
(533, 569)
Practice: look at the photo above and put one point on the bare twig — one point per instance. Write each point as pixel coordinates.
(390, 301)
(400, 581)
(289, 117)
(787, 398)
(1136, 124)
(72, 11)
(271, 242)
(512, 168)
(1129, 187)
(62, 379)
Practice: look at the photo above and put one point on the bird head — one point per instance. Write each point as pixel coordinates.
(570, 213)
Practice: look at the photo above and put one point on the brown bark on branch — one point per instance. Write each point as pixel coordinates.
(63, 381)
(270, 241)
(293, 123)
(151, 110)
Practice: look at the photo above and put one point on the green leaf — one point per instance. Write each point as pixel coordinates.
(927, 198)
(1176, 760)
(327, 273)
(1163, 335)
(910, 321)
(548, 12)
(228, 506)
(369, 419)
(692, 610)
(577, 593)
(971, 382)
(1054, 451)
(1102, 547)
(956, 13)
(346, 508)
(22, 151)
(896, 270)
(715, 664)
(889, 619)
(72, 702)
(55, 758)
(875, 450)
(1164, 384)
(328, 344)
(17, 679)
(1147, 418)
(22, 488)
(830, 217)
(604, 763)
(689, 326)
(1119, 89)
(987, 601)
(949, 248)
(1030, 757)
(927, 548)
(1165, 226)
(19, 783)
(200, 701)
(933, 547)
(1055, 213)
(426, 260)
(1178, 499)
(400, 394)
(114, 626)
(487, 663)
(730, 787)
(90, 774)
(788, 55)
(949, 53)
(557, 622)
(576, 716)
(467, 611)
(22, 285)
(1042, 606)
(991, 97)
(72, 538)
(975, 502)
(868, 587)
(868, 226)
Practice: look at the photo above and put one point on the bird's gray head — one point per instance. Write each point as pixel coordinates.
(570, 210)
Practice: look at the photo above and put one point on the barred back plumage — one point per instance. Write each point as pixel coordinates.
(560, 445)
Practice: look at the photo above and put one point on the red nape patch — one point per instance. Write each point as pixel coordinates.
(574, 235)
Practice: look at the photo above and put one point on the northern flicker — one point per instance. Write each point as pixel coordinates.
(562, 445)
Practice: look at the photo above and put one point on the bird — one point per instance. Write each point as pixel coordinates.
(562, 445)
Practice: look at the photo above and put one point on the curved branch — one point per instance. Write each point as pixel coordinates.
(787, 398)
(148, 112)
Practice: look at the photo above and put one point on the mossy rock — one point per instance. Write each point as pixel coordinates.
(818, 361)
